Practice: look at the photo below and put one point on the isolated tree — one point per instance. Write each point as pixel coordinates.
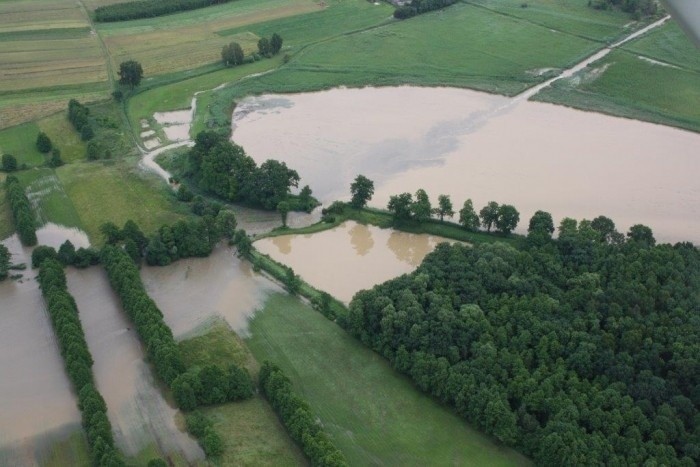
(130, 73)
(283, 209)
(508, 218)
(361, 190)
(43, 143)
(400, 206)
(275, 44)
(232, 54)
(264, 47)
(444, 207)
(9, 163)
(541, 226)
(421, 208)
(489, 215)
(468, 217)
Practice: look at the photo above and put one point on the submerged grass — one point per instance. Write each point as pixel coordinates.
(373, 414)
(71, 451)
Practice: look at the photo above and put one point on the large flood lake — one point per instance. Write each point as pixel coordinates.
(484, 147)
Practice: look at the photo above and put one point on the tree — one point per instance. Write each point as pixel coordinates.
(489, 215)
(275, 44)
(4, 262)
(305, 199)
(400, 206)
(642, 235)
(43, 143)
(226, 224)
(283, 209)
(111, 233)
(264, 47)
(421, 208)
(130, 73)
(55, 160)
(444, 207)
(232, 54)
(541, 226)
(9, 163)
(86, 133)
(361, 190)
(508, 218)
(468, 217)
(605, 228)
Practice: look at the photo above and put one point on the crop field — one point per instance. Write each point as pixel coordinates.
(189, 40)
(251, 432)
(655, 78)
(374, 415)
(47, 52)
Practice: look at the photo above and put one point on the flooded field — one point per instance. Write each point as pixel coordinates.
(37, 404)
(192, 291)
(350, 257)
(139, 414)
(484, 147)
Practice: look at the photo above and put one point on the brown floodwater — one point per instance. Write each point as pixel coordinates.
(193, 291)
(37, 404)
(484, 147)
(350, 257)
(139, 414)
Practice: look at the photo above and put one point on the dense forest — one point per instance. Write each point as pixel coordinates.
(583, 350)
(148, 9)
(21, 211)
(223, 169)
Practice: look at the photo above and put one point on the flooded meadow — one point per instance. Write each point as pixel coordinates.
(484, 147)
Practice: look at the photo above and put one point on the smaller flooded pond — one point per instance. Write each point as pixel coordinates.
(350, 257)
(192, 291)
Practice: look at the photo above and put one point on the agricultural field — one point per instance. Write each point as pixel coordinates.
(374, 415)
(252, 434)
(48, 53)
(654, 78)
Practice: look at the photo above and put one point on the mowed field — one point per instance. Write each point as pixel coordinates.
(373, 414)
(654, 78)
(48, 54)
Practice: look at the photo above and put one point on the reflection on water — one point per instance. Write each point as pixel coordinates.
(37, 405)
(193, 290)
(484, 147)
(135, 406)
(350, 257)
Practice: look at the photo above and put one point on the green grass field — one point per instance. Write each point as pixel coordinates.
(252, 434)
(374, 415)
(20, 141)
(628, 83)
(72, 451)
(48, 197)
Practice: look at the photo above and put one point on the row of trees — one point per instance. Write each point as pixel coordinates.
(417, 7)
(78, 116)
(78, 361)
(67, 255)
(148, 9)
(21, 211)
(297, 417)
(202, 428)
(211, 385)
(223, 169)
(637, 8)
(232, 54)
(4, 262)
(579, 350)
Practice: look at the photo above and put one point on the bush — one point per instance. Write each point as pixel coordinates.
(201, 428)
(43, 143)
(55, 160)
(9, 163)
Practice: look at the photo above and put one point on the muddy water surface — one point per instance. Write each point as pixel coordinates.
(350, 257)
(485, 147)
(37, 404)
(192, 291)
(135, 406)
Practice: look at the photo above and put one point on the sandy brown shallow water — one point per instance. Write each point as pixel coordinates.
(485, 147)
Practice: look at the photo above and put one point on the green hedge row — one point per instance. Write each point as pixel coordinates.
(76, 356)
(21, 211)
(149, 9)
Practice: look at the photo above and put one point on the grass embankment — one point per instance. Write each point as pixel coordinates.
(373, 414)
(251, 432)
(626, 83)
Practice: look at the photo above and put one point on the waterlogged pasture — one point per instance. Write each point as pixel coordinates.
(484, 147)
(350, 257)
(374, 415)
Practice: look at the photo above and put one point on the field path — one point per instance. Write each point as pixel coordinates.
(103, 46)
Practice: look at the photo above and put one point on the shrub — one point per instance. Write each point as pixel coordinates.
(43, 143)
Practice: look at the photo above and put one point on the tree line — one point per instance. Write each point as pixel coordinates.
(78, 116)
(298, 419)
(148, 9)
(67, 255)
(579, 350)
(222, 168)
(21, 211)
(637, 8)
(4, 262)
(417, 7)
(78, 361)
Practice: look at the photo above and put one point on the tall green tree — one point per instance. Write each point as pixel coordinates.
(444, 207)
(489, 215)
(421, 207)
(468, 216)
(232, 54)
(283, 209)
(400, 206)
(264, 47)
(9, 163)
(541, 226)
(130, 73)
(43, 143)
(641, 235)
(275, 44)
(508, 218)
(361, 190)
(4, 262)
